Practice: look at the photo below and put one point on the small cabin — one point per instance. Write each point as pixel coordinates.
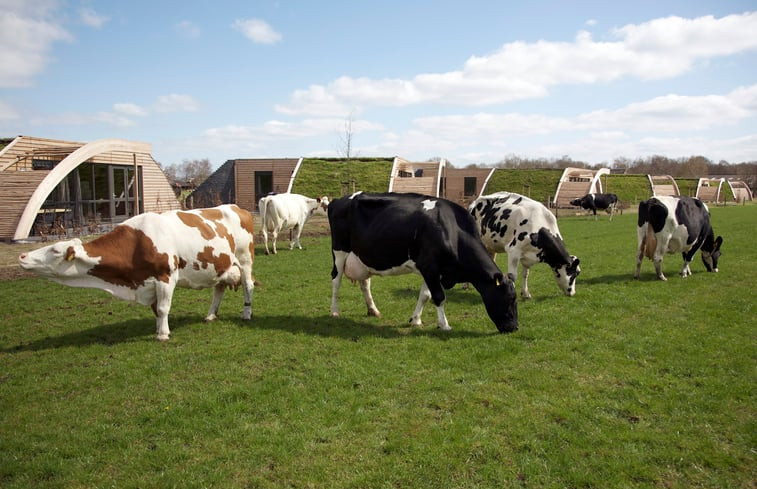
(244, 181)
(577, 182)
(709, 189)
(663, 185)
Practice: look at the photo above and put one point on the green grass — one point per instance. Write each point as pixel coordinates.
(629, 384)
(540, 185)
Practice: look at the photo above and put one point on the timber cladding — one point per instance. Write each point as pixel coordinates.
(254, 178)
(32, 164)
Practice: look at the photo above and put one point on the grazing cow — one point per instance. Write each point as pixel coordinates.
(392, 234)
(527, 231)
(592, 202)
(144, 258)
(288, 211)
(676, 224)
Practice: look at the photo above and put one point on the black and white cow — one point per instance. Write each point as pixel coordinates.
(592, 202)
(527, 231)
(676, 224)
(391, 234)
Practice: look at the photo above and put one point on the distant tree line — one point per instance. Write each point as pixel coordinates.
(188, 173)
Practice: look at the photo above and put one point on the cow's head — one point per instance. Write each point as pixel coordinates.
(323, 205)
(566, 276)
(710, 258)
(577, 202)
(501, 302)
(58, 261)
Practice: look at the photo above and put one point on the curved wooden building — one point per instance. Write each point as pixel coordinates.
(52, 186)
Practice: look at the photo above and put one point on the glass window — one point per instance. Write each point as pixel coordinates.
(469, 186)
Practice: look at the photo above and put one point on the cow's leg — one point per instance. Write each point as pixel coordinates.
(265, 239)
(365, 288)
(423, 297)
(296, 241)
(218, 292)
(274, 237)
(161, 307)
(641, 234)
(657, 259)
(512, 269)
(524, 286)
(686, 271)
(340, 257)
(612, 211)
(438, 297)
(594, 209)
(248, 284)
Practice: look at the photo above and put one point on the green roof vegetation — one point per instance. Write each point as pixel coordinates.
(537, 184)
(336, 177)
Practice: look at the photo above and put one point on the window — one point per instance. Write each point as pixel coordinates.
(469, 186)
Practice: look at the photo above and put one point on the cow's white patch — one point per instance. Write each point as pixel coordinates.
(355, 269)
(356, 194)
(428, 204)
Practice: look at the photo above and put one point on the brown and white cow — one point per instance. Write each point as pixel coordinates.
(147, 256)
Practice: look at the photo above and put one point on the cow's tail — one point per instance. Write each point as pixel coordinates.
(262, 207)
(647, 239)
(651, 243)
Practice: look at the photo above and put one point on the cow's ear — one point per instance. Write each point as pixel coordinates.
(70, 253)
(511, 277)
(718, 243)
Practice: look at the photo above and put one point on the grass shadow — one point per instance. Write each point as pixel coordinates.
(351, 330)
(105, 334)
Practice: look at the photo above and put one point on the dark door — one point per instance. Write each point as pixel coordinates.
(263, 184)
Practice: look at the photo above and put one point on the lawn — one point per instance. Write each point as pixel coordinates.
(628, 384)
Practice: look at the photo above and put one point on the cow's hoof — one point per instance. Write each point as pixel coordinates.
(374, 312)
(210, 317)
(444, 327)
(163, 337)
(416, 322)
(334, 314)
(662, 277)
(246, 317)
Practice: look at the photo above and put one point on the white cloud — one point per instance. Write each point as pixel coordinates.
(130, 109)
(26, 37)
(281, 130)
(257, 30)
(176, 103)
(188, 29)
(91, 18)
(659, 49)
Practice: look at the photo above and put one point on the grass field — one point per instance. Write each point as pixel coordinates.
(639, 384)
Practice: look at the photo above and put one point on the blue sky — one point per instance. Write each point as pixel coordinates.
(472, 82)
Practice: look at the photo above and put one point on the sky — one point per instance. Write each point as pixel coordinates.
(471, 82)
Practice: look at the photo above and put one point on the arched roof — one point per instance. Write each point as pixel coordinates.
(69, 163)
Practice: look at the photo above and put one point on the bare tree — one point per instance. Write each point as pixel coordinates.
(346, 151)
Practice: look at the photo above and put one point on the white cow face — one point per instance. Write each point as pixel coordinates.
(566, 276)
(57, 260)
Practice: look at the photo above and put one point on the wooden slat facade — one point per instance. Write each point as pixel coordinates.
(244, 174)
(454, 184)
(19, 179)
